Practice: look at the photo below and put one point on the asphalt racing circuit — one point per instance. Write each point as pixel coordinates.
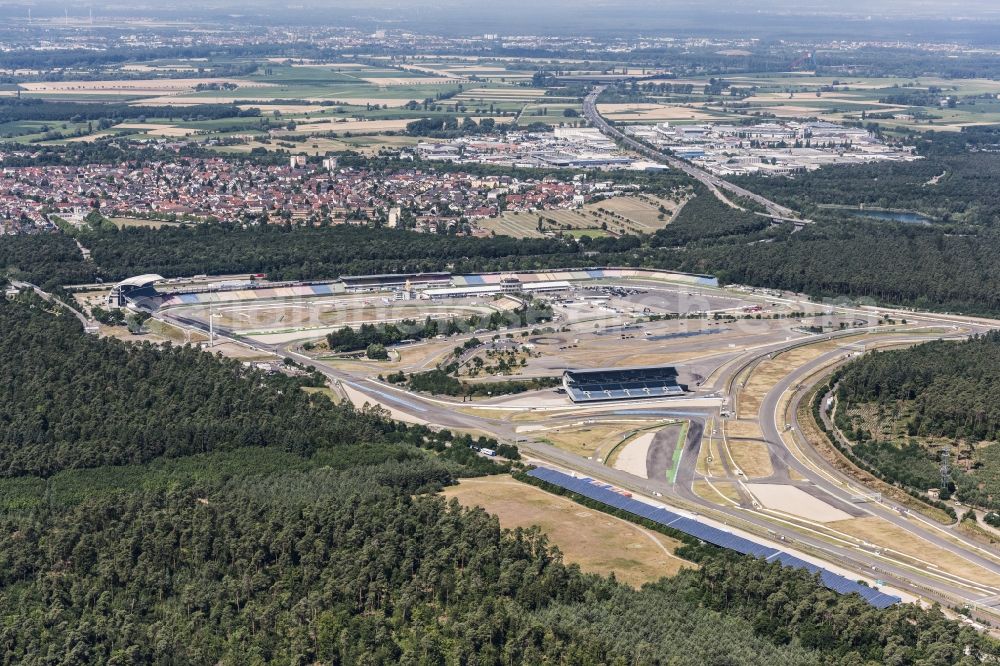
(730, 451)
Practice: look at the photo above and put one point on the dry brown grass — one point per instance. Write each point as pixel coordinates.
(771, 371)
(742, 428)
(751, 457)
(588, 440)
(599, 543)
(978, 533)
(710, 448)
(886, 535)
(175, 334)
(716, 491)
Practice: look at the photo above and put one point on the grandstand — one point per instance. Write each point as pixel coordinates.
(357, 283)
(133, 287)
(606, 495)
(621, 384)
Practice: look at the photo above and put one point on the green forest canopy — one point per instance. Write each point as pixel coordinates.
(942, 395)
(953, 388)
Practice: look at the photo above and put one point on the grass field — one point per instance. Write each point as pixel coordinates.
(590, 440)
(710, 457)
(766, 375)
(751, 457)
(593, 233)
(717, 492)
(886, 535)
(620, 215)
(597, 542)
(367, 145)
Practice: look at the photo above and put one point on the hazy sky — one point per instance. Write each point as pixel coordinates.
(768, 18)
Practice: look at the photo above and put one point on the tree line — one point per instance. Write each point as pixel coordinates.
(13, 109)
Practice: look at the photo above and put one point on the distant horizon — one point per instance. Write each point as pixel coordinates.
(968, 22)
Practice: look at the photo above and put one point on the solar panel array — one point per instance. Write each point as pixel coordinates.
(606, 494)
(591, 386)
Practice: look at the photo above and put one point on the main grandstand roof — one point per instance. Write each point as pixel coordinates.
(141, 280)
(393, 278)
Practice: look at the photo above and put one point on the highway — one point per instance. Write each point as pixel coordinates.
(712, 182)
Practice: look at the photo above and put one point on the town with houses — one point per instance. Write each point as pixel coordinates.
(202, 189)
(424, 199)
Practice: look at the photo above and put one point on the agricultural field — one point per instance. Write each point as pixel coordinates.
(310, 107)
(297, 99)
(127, 88)
(797, 95)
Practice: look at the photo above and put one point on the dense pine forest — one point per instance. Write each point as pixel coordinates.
(953, 387)
(166, 506)
(949, 188)
(939, 395)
